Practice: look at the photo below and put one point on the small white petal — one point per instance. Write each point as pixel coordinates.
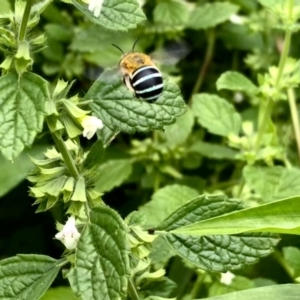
(97, 11)
(88, 133)
(70, 224)
(69, 235)
(90, 125)
(59, 235)
(236, 19)
(95, 7)
(92, 4)
(238, 97)
(226, 278)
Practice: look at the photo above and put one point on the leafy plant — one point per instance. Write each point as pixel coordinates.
(155, 200)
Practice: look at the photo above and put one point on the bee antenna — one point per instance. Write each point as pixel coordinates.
(135, 44)
(118, 48)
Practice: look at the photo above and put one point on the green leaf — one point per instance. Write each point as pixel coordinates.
(249, 6)
(59, 293)
(22, 111)
(115, 14)
(282, 292)
(160, 252)
(27, 276)
(118, 108)
(102, 258)
(177, 133)
(272, 3)
(5, 7)
(238, 283)
(218, 252)
(214, 151)
(201, 208)
(97, 49)
(94, 156)
(216, 114)
(292, 259)
(211, 14)
(163, 289)
(88, 39)
(135, 218)
(18, 170)
(106, 135)
(240, 37)
(235, 81)
(281, 216)
(165, 201)
(112, 174)
(273, 183)
(58, 32)
(221, 252)
(173, 13)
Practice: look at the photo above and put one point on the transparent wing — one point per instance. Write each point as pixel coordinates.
(171, 53)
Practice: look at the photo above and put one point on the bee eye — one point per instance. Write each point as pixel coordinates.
(147, 83)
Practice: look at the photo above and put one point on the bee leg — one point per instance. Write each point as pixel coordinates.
(127, 82)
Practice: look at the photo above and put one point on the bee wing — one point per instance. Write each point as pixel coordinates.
(171, 54)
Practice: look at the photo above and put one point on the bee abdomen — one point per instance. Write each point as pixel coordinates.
(147, 83)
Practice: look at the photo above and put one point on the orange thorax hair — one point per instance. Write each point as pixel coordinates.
(134, 60)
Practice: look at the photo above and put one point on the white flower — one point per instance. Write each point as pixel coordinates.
(69, 235)
(95, 6)
(238, 97)
(226, 278)
(236, 19)
(90, 125)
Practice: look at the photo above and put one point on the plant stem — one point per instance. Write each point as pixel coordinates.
(197, 285)
(111, 139)
(132, 291)
(278, 256)
(223, 185)
(62, 262)
(283, 58)
(23, 27)
(241, 188)
(295, 117)
(65, 154)
(286, 46)
(156, 183)
(208, 57)
(263, 123)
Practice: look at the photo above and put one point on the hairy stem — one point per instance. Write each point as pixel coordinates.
(132, 291)
(278, 256)
(295, 117)
(284, 55)
(263, 123)
(65, 154)
(208, 57)
(23, 27)
(197, 285)
(156, 183)
(286, 46)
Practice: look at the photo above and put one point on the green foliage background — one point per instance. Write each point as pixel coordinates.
(230, 143)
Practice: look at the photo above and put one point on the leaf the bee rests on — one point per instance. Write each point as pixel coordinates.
(119, 109)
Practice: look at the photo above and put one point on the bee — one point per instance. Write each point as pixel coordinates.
(140, 75)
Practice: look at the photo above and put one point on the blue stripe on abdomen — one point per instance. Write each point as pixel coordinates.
(147, 83)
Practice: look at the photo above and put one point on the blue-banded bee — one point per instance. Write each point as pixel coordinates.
(140, 75)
